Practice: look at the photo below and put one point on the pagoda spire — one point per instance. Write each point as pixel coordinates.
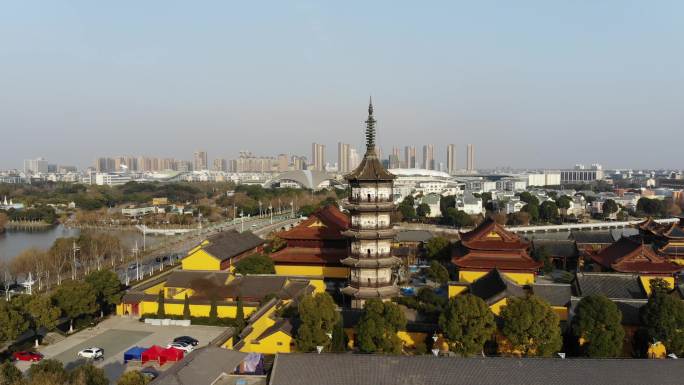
(370, 129)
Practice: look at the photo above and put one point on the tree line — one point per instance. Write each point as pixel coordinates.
(97, 294)
(526, 326)
(66, 258)
(52, 372)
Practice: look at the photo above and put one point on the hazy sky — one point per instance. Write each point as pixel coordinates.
(529, 83)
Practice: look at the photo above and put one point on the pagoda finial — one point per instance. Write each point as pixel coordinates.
(370, 129)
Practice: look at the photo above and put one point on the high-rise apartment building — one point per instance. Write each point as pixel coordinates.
(283, 163)
(200, 161)
(104, 165)
(299, 162)
(343, 157)
(354, 158)
(394, 160)
(220, 165)
(451, 158)
(429, 156)
(470, 160)
(410, 157)
(318, 156)
(35, 166)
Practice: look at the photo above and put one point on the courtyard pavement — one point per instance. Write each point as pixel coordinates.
(117, 334)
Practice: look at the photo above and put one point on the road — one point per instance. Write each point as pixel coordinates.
(170, 252)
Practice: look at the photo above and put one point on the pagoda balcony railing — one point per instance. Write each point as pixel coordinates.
(364, 254)
(371, 227)
(360, 199)
(372, 284)
(370, 234)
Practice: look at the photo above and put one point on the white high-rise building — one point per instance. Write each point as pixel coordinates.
(35, 166)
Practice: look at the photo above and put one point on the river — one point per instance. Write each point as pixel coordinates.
(13, 242)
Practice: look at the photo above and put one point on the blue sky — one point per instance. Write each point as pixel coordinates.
(530, 83)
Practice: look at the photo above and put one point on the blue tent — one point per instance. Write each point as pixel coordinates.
(134, 354)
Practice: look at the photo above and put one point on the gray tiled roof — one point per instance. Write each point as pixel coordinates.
(611, 285)
(595, 237)
(414, 236)
(357, 369)
(557, 248)
(228, 244)
(203, 366)
(556, 294)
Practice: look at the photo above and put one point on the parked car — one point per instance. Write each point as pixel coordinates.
(27, 356)
(187, 340)
(180, 346)
(91, 353)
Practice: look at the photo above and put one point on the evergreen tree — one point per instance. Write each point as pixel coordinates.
(133, 377)
(339, 338)
(663, 320)
(531, 326)
(12, 322)
(438, 273)
(377, 329)
(317, 318)
(597, 325)
(467, 323)
(186, 307)
(255, 264)
(239, 316)
(10, 375)
(88, 374)
(161, 312)
(438, 248)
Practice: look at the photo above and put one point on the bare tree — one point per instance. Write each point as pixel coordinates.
(61, 253)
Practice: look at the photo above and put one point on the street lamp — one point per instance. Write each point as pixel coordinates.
(73, 271)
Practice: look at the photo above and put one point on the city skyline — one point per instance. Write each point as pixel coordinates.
(85, 81)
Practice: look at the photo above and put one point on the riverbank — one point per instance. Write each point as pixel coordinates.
(27, 225)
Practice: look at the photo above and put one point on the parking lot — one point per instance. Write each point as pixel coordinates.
(116, 335)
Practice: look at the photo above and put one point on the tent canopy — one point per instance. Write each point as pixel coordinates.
(153, 354)
(134, 354)
(171, 354)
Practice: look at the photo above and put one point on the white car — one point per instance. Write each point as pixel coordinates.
(91, 353)
(181, 346)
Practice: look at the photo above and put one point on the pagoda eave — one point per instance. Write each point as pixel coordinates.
(364, 262)
(369, 293)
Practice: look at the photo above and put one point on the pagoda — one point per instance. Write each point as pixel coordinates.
(490, 246)
(370, 205)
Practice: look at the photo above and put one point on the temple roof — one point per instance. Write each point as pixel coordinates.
(674, 230)
(489, 235)
(309, 255)
(326, 223)
(227, 244)
(494, 286)
(630, 256)
(502, 260)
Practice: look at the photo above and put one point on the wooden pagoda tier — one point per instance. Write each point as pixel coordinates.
(370, 232)
(633, 256)
(490, 246)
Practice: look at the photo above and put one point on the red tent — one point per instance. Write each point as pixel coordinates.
(171, 355)
(153, 354)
